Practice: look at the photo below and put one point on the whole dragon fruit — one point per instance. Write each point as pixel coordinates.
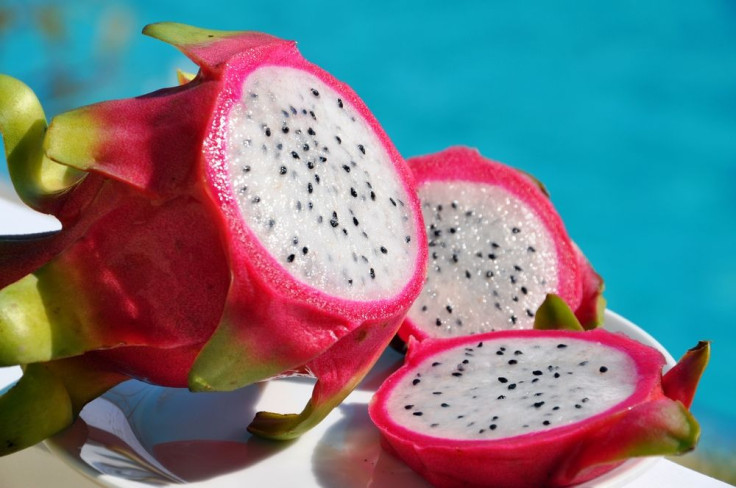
(497, 247)
(253, 222)
(520, 408)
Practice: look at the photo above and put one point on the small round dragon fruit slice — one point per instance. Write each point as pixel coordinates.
(253, 222)
(497, 247)
(534, 407)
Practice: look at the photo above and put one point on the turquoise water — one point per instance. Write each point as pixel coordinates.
(626, 110)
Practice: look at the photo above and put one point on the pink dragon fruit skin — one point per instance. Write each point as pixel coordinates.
(479, 213)
(650, 421)
(156, 273)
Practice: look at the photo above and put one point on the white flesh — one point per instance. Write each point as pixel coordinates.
(477, 235)
(341, 234)
(480, 393)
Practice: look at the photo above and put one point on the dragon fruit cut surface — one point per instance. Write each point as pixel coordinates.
(497, 247)
(523, 408)
(253, 222)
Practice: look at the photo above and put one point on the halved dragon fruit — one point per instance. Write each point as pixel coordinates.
(521, 408)
(253, 222)
(497, 247)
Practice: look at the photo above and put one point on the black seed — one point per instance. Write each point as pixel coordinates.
(452, 230)
(515, 230)
(501, 397)
(305, 250)
(546, 422)
(492, 426)
(408, 407)
(305, 147)
(282, 170)
(246, 169)
(268, 132)
(346, 168)
(337, 138)
(512, 386)
(577, 405)
(293, 110)
(310, 131)
(384, 250)
(361, 148)
(556, 408)
(294, 155)
(603, 369)
(315, 92)
(415, 381)
(290, 258)
(417, 414)
(538, 404)
(436, 363)
(436, 393)
(467, 274)
(494, 245)
(524, 290)
(502, 379)
(350, 282)
(537, 372)
(438, 322)
(499, 353)
(311, 113)
(333, 222)
(557, 375)
(518, 353)
(353, 193)
(355, 221)
(489, 274)
(256, 199)
(492, 257)
(344, 231)
(285, 130)
(454, 258)
(531, 249)
(561, 346)
(424, 308)
(513, 319)
(310, 188)
(271, 222)
(373, 274)
(323, 159)
(286, 114)
(445, 405)
(582, 363)
(456, 374)
(339, 102)
(513, 361)
(295, 240)
(373, 196)
(279, 146)
(448, 308)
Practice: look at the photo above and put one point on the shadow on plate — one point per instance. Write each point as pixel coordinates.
(349, 455)
(158, 435)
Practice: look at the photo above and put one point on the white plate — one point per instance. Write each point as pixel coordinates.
(138, 435)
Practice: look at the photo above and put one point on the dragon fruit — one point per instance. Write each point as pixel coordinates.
(497, 247)
(253, 222)
(519, 408)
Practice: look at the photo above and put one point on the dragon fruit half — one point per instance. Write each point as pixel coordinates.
(522, 408)
(497, 247)
(253, 222)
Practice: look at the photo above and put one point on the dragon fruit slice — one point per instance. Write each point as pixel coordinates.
(534, 407)
(253, 222)
(497, 247)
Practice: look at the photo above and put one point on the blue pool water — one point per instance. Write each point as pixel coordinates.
(626, 110)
